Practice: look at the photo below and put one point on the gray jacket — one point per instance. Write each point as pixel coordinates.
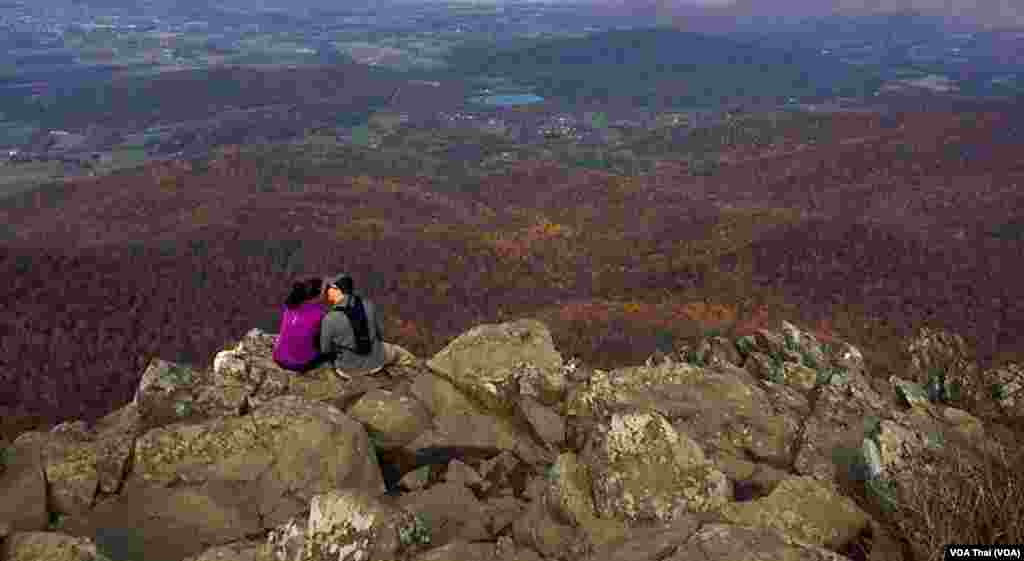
(338, 339)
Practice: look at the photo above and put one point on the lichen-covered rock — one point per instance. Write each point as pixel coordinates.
(499, 472)
(23, 487)
(846, 360)
(642, 469)
(47, 546)
(394, 419)
(440, 396)
(239, 551)
(502, 512)
(648, 543)
(478, 432)
(416, 479)
(941, 361)
(570, 491)
(733, 415)
(77, 463)
(776, 344)
(897, 444)
(837, 423)
(638, 386)
(460, 473)
(802, 508)
(545, 385)
(279, 456)
(169, 392)
(351, 525)
(740, 543)
(451, 512)
(71, 473)
(962, 422)
(724, 409)
(568, 495)
(805, 344)
(799, 376)
(719, 351)
(287, 541)
(778, 372)
(547, 424)
(487, 361)
(1006, 388)
(539, 530)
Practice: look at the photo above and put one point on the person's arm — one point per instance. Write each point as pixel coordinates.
(326, 333)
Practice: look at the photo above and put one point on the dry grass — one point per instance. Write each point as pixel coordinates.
(957, 495)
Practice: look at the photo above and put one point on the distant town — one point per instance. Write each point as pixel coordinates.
(53, 50)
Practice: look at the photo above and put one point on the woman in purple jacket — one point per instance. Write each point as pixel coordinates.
(297, 341)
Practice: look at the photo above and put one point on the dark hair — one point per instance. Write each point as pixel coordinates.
(304, 290)
(344, 284)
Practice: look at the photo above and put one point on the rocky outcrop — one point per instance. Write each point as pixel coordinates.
(495, 363)
(47, 546)
(643, 470)
(494, 449)
(940, 361)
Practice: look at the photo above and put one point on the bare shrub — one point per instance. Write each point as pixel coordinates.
(957, 494)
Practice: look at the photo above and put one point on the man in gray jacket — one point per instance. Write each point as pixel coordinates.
(352, 335)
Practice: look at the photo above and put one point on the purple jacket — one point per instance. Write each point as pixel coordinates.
(299, 335)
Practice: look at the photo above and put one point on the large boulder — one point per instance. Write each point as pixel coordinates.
(23, 487)
(569, 498)
(440, 396)
(353, 524)
(649, 543)
(480, 434)
(194, 486)
(47, 546)
(643, 470)
(288, 446)
(170, 392)
(547, 424)
(539, 530)
(836, 426)
(81, 464)
(724, 409)
(451, 511)
(491, 361)
(347, 524)
(393, 419)
(805, 510)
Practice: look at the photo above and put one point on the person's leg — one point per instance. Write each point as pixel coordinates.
(319, 361)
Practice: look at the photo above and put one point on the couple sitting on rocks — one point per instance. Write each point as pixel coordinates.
(325, 322)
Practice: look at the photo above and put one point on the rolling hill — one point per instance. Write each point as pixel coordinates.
(874, 229)
(663, 67)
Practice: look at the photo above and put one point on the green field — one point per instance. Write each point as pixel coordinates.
(23, 177)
